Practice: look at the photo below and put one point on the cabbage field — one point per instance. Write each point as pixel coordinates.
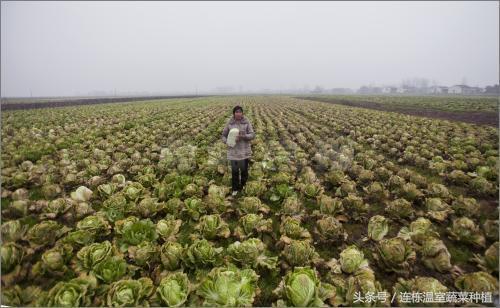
(128, 204)
(445, 103)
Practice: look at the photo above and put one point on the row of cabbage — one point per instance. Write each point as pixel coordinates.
(453, 103)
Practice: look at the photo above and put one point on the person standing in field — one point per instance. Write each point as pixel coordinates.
(237, 135)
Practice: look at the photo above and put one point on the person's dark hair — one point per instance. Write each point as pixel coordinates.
(236, 108)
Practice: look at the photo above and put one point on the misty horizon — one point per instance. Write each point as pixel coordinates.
(76, 48)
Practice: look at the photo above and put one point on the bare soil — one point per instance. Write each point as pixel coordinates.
(474, 117)
(84, 101)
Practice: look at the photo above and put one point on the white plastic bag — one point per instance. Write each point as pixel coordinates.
(231, 136)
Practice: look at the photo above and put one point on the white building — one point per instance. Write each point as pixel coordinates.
(389, 90)
(464, 90)
(458, 89)
(407, 89)
(439, 90)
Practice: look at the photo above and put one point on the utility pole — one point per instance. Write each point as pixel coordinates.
(31, 93)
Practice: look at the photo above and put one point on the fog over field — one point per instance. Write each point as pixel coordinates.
(82, 48)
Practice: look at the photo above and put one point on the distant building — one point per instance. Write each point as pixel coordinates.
(389, 90)
(407, 89)
(458, 89)
(465, 90)
(439, 90)
(369, 90)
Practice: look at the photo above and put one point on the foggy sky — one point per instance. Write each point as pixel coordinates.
(65, 48)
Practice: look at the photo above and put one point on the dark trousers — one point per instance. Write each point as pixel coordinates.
(239, 167)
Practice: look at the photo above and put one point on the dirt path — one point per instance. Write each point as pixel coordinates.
(474, 117)
(84, 101)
